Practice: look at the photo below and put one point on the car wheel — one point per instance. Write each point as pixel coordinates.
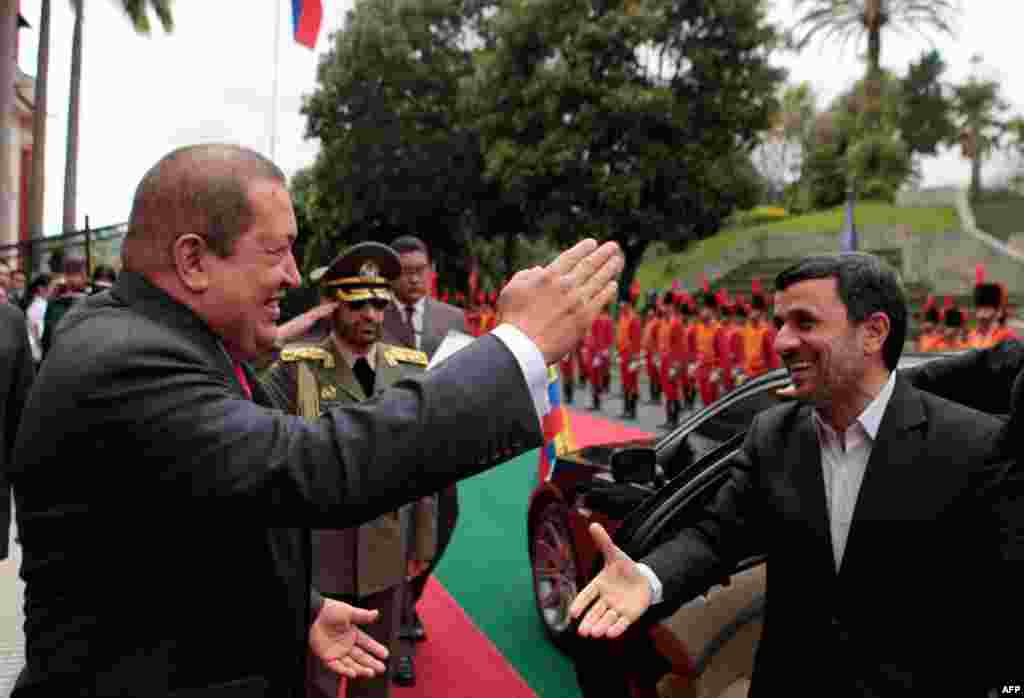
(554, 570)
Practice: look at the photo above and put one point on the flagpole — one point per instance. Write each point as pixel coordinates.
(277, 60)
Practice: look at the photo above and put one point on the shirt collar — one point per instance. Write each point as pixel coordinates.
(871, 418)
(349, 356)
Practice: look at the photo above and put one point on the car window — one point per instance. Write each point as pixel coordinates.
(711, 433)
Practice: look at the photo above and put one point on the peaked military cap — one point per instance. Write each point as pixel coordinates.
(364, 272)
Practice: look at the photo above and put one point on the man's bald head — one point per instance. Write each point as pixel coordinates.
(199, 189)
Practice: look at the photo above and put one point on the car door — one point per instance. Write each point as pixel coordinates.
(711, 640)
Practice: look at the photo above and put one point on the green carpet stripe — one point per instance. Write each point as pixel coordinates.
(487, 570)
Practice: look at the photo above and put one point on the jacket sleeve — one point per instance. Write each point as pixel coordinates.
(983, 378)
(706, 552)
(205, 444)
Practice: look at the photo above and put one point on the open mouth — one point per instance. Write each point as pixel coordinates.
(799, 370)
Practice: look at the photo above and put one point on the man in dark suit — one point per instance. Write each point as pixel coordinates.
(16, 373)
(855, 493)
(146, 424)
(418, 321)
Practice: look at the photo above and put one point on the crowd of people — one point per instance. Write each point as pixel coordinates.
(948, 329)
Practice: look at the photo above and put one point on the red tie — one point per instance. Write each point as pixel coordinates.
(243, 380)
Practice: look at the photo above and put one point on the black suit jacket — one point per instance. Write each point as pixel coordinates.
(157, 506)
(916, 604)
(16, 372)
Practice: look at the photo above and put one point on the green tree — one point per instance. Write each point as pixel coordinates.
(854, 143)
(620, 120)
(396, 154)
(137, 12)
(981, 117)
(925, 118)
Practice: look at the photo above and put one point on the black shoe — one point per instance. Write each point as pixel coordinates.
(405, 672)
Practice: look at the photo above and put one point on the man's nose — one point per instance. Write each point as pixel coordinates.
(784, 340)
(292, 272)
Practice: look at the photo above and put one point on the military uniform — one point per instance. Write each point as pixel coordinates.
(364, 566)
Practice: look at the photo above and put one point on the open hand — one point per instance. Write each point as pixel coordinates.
(616, 597)
(341, 645)
(556, 305)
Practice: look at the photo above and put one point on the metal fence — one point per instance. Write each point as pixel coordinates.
(96, 245)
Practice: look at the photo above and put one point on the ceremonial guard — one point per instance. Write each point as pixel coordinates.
(672, 361)
(652, 325)
(601, 340)
(953, 333)
(702, 340)
(365, 566)
(568, 368)
(758, 353)
(931, 330)
(988, 299)
(629, 343)
(726, 344)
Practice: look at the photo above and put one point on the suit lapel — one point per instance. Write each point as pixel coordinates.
(892, 474)
(810, 485)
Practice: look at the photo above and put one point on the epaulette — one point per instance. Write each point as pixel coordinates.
(393, 354)
(307, 352)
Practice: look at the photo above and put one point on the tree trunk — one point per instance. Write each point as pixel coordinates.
(8, 158)
(511, 248)
(976, 169)
(632, 253)
(38, 186)
(874, 50)
(71, 167)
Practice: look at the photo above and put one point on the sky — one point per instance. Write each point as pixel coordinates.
(211, 80)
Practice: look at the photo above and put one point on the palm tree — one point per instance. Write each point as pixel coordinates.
(137, 12)
(980, 111)
(854, 19)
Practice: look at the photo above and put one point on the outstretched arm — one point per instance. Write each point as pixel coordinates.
(982, 378)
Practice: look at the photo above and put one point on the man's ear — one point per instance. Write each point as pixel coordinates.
(876, 331)
(189, 253)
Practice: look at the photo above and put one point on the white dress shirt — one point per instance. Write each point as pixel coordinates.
(844, 459)
(35, 314)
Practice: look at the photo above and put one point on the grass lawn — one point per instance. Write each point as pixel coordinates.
(658, 270)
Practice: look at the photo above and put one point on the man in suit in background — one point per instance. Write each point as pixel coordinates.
(418, 321)
(855, 492)
(16, 373)
(145, 416)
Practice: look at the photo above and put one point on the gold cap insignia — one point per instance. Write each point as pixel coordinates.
(328, 392)
(369, 269)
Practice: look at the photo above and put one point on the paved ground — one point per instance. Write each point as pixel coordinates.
(12, 643)
(649, 416)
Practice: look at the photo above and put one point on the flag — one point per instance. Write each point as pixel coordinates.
(848, 236)
(306, 17)
(558, 438)
(979, 274)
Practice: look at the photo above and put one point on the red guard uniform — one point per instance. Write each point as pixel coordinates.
(602, 338)
(650, 345)
(702, 344)
(629, 343)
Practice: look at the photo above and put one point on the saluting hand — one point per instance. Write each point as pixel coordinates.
(620, 593)
(341, 645)
(301, 324)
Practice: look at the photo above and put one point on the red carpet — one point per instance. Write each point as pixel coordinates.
(457, 660)
(589, 429)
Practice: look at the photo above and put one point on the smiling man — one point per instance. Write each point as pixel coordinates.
(855, 492)
(163, 499)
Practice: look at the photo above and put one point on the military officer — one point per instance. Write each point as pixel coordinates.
(368, 565)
